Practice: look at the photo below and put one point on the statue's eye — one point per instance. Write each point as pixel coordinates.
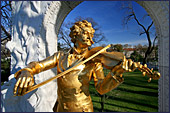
(88, 38)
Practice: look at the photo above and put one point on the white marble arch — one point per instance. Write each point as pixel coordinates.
(159, 12)
(51, 15)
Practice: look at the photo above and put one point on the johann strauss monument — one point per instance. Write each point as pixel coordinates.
(64, 77)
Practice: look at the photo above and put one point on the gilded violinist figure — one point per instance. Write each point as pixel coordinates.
(73, 87)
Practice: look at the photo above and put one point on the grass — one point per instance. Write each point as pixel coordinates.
(134, 95)
(2, 83)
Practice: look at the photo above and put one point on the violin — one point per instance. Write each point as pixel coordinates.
(111, 59)
(108, 59)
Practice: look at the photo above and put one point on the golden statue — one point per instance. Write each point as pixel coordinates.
(75, 70)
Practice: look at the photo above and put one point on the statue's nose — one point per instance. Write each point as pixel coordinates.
(91, 41)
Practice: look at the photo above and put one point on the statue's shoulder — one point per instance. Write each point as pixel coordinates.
(60, 54)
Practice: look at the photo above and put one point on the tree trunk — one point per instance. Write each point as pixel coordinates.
(102, 102)
(144, 60)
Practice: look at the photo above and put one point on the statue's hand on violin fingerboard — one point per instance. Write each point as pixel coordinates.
(128, 65)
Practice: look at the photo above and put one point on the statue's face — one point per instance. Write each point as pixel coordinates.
(84, 39)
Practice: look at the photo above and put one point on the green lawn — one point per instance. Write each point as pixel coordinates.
(134, 95)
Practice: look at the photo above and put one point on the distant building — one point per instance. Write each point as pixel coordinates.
(128, 51)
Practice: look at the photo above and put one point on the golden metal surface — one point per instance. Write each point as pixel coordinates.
(65, 72)
(77, 68)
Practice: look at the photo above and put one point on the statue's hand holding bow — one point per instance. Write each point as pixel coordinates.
(25, 80)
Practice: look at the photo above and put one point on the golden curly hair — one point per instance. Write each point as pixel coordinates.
(81, 27)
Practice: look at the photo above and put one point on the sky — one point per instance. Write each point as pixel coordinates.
(109, 16)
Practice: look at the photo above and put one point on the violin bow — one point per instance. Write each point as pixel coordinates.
(67, 71)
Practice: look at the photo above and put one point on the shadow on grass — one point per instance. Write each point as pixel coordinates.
(96, 109)
(131, 80)
(138, 79)
(147, 93)
(132, 102)
(140, 85)
(114, 105)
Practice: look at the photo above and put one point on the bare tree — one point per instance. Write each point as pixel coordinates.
(5, 26)
(145, 30)
(64, 39)
(6, 19)
(5, 37)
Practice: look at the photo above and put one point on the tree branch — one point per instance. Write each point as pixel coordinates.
(139, 22)
(66, 40)
(153, 44)
(142, 33)
(4, 6)
(8, 34)
(150, 26)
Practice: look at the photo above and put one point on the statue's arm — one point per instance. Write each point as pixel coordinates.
(25, 77)
(105, 84)
(48, 63)
(114, 78)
